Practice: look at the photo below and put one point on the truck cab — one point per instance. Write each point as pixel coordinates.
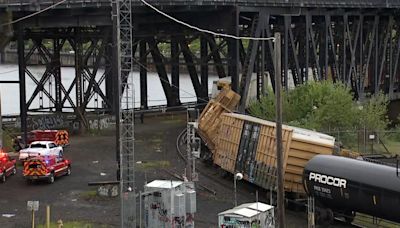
(46, 168)
(7, 166)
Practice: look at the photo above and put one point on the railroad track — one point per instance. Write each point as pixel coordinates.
(216, 179)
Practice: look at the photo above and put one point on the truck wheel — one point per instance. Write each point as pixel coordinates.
(51, 178)
(3, 178)
(68, 171)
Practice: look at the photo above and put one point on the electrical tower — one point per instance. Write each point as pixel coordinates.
(193, 144)
(122, 16)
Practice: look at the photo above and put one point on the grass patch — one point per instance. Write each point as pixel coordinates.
(147, 165)
(75, 224)
(172, 121)
(367, 221)
(88, 195)
(156, 140)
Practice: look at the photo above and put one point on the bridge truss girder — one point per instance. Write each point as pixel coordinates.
(51, 92)
(353, 46)
(357, 48)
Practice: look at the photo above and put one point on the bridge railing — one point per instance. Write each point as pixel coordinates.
(289, 3)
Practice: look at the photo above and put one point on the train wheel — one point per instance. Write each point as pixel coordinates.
(324, 216)
(349, 216)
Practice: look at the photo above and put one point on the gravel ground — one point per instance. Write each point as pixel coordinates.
(71, 198)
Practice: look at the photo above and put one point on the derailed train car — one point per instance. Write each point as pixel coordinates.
(247, 145)
(347, 185)
(241, 143)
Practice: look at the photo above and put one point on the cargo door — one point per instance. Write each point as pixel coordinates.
(245, 161)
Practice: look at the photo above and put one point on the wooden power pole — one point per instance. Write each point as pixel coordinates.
(278, 78)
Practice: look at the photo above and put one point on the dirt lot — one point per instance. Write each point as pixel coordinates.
(93, 156)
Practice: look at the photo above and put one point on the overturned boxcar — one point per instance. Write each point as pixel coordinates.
(242, 143)
(247, 145)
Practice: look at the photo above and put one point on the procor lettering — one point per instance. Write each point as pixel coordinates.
(328, 180)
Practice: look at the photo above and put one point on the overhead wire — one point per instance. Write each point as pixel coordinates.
(204, 30)
(34, 14)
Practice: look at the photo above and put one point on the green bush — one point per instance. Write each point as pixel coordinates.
(326, 107)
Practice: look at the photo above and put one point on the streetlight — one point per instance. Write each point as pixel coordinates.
(238, 176)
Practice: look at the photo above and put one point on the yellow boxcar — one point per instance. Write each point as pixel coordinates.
(247, 145)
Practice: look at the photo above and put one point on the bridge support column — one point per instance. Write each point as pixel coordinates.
(175, 53)
(143, 74)
(233, 51)
(204, 69)
(22, 85)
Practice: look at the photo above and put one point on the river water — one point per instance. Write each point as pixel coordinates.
(10, 92)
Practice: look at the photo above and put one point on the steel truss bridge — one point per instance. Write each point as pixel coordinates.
(353, 41)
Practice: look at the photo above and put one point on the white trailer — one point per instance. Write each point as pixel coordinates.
(248, 215)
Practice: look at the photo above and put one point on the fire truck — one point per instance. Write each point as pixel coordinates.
(7, 166)
(46, 168)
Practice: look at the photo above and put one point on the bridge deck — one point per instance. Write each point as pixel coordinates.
(31, 4)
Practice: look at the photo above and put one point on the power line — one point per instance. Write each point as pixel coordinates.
(34, 14)
(204, 30)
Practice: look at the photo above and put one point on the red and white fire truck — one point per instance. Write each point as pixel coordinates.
(7, 166)
(46, 168)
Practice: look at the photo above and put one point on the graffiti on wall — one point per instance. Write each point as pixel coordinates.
(101, 123)
(64, 121)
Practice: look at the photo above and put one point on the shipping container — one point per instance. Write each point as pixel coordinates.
(247, 145)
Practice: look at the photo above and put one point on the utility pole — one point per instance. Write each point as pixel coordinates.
(279, 151)
(122, 21)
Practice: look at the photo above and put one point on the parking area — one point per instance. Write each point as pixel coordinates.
(70, 198)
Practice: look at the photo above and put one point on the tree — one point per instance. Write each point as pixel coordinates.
(325, 106)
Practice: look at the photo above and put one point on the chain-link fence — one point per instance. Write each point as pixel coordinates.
(368, 142)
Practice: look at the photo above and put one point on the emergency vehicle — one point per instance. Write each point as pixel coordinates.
(46, 168)
(60, 137)
(7, 166)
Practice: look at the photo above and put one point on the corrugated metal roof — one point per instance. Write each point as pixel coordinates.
(164, 184)
(247, 210)
(256, 206)
(243, 212)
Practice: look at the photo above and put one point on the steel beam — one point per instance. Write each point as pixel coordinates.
(233, 51)
(162, 73)
(188, 56)
(215, 53)
(204, 69)
(22, 83)
(175, 53)
(143, 74)
(259, 22)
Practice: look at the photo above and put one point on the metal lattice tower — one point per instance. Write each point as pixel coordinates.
(123, 15)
